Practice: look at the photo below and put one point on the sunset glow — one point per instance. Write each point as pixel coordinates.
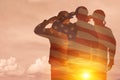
(24, 55)
(86, 75)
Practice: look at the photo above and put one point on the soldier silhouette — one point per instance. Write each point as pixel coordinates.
(78, 47)
(58, 43)
(81, 47)
(106, 38)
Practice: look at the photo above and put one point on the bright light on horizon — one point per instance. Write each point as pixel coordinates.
(86, 75)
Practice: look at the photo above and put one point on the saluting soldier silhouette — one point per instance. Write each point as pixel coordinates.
(58, 38)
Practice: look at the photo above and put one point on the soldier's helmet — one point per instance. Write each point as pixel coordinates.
(98, 14)
(63, 15)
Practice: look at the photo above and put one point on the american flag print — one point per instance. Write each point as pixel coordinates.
(58, 42)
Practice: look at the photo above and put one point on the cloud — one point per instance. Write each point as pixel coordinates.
(10, 67)
(40, 66)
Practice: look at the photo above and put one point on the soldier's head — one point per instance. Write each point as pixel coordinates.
(82, 13)
(64, 16)
(98, 17)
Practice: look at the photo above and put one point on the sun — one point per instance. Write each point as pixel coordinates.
(86, 75)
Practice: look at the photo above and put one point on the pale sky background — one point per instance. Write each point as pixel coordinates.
(24, 55)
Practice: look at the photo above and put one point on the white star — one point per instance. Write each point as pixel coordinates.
(56, 27)
(61, 25)
(66, 30)
(70, 36)
(72, 28)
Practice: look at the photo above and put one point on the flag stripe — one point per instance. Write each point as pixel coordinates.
(110, 45)
(58, 55)
(85, 45)
(59, 48)
(86, 35)
(101, 36)
(78, 46)
(89, 43)
(59, 44)
(107, 44)
(87, 54)
(103, 30)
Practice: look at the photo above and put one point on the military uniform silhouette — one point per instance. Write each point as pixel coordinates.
(80, 49)
(106, 38)
(58, 44)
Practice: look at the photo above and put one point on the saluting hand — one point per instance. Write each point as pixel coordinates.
(52, 19)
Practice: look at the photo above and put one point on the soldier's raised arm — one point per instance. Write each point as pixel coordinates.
(41, 28)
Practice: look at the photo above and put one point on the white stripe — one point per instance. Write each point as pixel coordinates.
(93, 65)
(95, 51)
(99, 53)
(107, 44)
(78, 46)
(57, 40)
(81, 47)
(104, 30)
(85, 25)
(61, 42)
(87, 36)
(107, 32)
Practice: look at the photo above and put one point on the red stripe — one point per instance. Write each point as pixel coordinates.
(99, 59)
(61, 49)
(56, 60)
(59, 34)
(92, 44)
(112, 51)
(51, 32)
(99, 35)
(78, 53)
(107, 38)
(88, 31)
(87, 56)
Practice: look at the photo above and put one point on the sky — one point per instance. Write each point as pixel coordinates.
(24, 55)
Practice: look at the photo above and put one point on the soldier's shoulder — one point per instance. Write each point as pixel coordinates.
(107, 27)
(91, 25)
